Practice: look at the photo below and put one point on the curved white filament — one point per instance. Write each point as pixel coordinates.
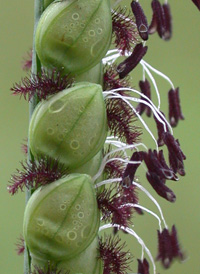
(145, 209)
(153, 200)
(139, 116)
(103, 163)
(159, 73)
(161, 116)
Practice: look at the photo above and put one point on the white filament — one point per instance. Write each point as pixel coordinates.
(159, 73)
(153, 200)
(109, 181)
(145, 209)
(152, 80)
(134, 234)
(139, 116)
(98, 174)
(146, 98)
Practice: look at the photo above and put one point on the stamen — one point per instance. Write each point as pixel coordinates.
(134, 234)
(108, 154)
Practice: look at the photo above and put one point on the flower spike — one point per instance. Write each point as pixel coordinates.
(141, 20)
(132, 61)
(168, 247)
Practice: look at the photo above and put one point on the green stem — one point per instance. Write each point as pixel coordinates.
(36, 68)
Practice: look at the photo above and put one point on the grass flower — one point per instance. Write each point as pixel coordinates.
(79, 173)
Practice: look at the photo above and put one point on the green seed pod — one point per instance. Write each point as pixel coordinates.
(74, 36)
(91, 167)
(87, 262)
(71, 126)
(61, 219)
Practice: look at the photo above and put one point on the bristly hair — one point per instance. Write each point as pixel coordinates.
(121, 119)
(112, 204)
(24, 146)
(124, 30)
(43, 85)
(115, 260)
(27, 61)
(20, 247)
(115, 168)
(35, 174)
(112, 80)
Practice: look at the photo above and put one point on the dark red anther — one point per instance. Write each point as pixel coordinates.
(168, 22)
(130, 170)
(159, 186)
(176, 156)
(175, 113)
(197, 3)
(160, 17)
(146, 90)
(143, 266)
(141, 20)
(132, 61)
(160, 130)
(156, 164)
(153, 24)
(168, 247)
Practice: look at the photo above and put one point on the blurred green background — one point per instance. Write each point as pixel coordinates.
(179, 59)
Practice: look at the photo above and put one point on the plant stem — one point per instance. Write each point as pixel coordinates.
(36, 68)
